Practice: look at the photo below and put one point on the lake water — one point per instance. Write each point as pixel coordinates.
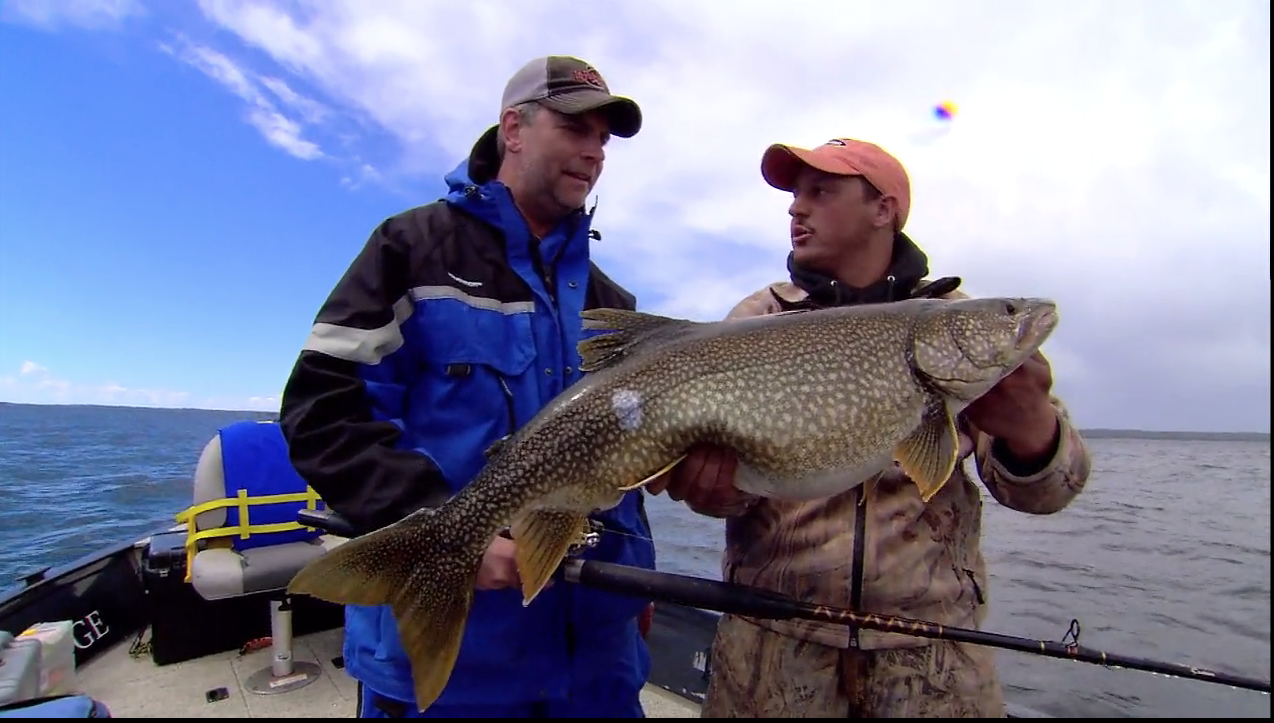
(1165, 556)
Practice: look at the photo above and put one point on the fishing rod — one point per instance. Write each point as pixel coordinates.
(746, 600)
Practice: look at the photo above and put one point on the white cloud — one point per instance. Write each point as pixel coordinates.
(55, 14)
(30, 368)
(35, 384)
(1063, 108)
(1114, 156)
(263, 112)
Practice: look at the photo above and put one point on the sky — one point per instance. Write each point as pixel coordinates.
(183, 183)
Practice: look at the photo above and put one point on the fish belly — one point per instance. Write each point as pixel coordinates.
(808, 485)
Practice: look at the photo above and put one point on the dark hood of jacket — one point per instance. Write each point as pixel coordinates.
(906, 270)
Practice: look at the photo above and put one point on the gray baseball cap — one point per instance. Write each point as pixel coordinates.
(562, 83)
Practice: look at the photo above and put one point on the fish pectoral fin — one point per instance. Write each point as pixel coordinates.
(430, 593)
(624, 332)
(928, 454)
(542, 538)
(654, 476)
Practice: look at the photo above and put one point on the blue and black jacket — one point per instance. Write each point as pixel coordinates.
(451, 329)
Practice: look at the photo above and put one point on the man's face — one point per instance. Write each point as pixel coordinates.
(561, 156)
(831, 216)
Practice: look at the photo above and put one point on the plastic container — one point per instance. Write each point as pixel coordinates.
(19, 669)
(57, 656)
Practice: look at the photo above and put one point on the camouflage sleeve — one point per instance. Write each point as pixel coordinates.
(1048, 490)
(758, 303)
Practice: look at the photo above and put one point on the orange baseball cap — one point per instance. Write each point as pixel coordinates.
(844, 157)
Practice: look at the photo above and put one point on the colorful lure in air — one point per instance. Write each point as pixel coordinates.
(944, 114)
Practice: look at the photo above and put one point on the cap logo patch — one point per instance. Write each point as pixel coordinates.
(588, 76)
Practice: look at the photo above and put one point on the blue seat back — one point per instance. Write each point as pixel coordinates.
(254, 459)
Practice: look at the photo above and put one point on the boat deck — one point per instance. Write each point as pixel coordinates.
(132, 686)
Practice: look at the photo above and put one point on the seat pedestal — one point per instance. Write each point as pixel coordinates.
(283, 674)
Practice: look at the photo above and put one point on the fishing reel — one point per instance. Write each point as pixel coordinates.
(590, 539)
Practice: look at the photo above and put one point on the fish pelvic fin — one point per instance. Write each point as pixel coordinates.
(928, 454)
(421, 569)
(542, 539)
(624, 333)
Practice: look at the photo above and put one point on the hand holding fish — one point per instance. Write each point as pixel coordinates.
(1017, 410)
(704, 480)
(499, 566)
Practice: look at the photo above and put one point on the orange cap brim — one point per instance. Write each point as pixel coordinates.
(781, 163)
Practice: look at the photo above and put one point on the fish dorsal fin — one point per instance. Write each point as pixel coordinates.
(624, 333)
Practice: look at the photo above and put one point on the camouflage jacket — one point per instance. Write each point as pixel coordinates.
(912, 559)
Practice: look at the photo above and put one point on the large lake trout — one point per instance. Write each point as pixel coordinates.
(813, 402)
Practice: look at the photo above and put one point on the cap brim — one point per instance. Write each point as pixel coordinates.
(622, 114)
(781, 164)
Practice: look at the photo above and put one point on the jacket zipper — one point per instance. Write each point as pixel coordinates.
(856, 572)
(548, 273)
(508, 403)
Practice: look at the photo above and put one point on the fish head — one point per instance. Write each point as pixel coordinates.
(964, 347)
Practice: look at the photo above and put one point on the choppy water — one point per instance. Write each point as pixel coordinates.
(1165, 556)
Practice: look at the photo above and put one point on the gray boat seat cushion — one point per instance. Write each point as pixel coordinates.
(220, 572)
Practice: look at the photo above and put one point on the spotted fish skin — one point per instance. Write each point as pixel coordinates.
(813, 402)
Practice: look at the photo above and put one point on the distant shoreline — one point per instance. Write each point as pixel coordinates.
(1096, 433)
(1179, 435)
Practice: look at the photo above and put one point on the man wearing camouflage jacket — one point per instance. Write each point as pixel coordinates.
(889, 553)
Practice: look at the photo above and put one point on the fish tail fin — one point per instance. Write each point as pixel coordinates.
(424, 567)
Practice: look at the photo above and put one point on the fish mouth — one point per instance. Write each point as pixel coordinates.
(1036, 327)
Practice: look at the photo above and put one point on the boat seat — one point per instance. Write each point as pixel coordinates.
(234, 564)
(244, 538)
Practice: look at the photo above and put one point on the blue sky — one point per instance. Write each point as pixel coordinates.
(184, 182)
(152, 239)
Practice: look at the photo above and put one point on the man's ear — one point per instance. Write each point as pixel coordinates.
(511, 128)
(886, 212)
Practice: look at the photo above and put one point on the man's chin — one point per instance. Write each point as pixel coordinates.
(803, 254)
(572, 199)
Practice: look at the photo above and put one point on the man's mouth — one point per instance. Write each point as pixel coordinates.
(579, 176)
(800, 235)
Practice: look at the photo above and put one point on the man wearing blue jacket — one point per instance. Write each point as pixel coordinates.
(456, 323)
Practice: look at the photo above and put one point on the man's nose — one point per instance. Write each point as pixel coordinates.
(595, 150)
(797, 209)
